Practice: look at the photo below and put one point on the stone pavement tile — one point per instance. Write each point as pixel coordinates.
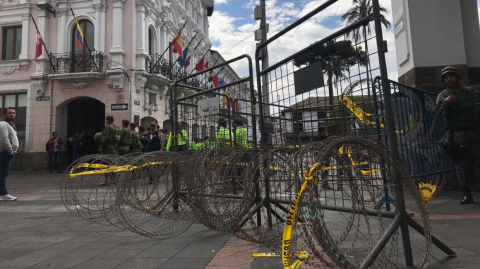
(82, 253)
(100, 245)
(100, 263)
(146, 244)
(22, 262)
(116, 239)
(125, 233)
(68, 245)
(121, 253)
(143, 263)
(462, 262)
(60, 263)
(182, 263)
(206, 246)
(163, 250)
(9, 254)
(8, 244)
(51, 253)
(33, 246)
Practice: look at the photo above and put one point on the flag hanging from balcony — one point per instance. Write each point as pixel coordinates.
(214, 78)
(39, 45)
(186, 58)
(199, 66)
(80, 39)
(225, 98)
(177, 42)
(187, 62)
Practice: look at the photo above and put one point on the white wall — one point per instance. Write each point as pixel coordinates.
(471, 32)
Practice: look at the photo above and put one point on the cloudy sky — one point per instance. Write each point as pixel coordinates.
(232, 22)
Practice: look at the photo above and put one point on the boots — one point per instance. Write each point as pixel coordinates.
(467, 196)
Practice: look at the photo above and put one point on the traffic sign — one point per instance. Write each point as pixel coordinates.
(119, 107)
(42, 98)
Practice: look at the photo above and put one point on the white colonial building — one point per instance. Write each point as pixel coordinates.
(121, 72)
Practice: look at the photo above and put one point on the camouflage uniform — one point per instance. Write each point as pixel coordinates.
(126, 137)
(463, 120)
(109, 139)
(135, 145)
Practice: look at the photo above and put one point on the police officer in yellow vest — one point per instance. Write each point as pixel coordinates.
(223, 135)
(182, 138)
(240, 133)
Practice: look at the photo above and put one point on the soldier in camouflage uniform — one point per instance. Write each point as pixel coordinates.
(126, 138)
(108, 144)
(460, 107)
(135, 145)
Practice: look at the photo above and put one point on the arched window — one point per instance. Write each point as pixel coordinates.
(195, 128)
(212, 131)
(151, 41)
(204, 131)
(80, 52)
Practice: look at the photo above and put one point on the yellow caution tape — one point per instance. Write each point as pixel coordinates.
(107, 168)
(289, 227)
(426, 191)
(361, 115)
(301, 255)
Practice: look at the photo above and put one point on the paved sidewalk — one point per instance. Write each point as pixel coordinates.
(37, 232)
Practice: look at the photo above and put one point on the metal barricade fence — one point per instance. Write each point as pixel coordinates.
(418, 130)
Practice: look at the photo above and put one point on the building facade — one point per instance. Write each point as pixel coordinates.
(450, 36)
(121, 69)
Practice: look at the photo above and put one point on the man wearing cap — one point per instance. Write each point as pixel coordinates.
(126, 138)
(154, 139)
(135, 145)
(460, 107)
(108, 144)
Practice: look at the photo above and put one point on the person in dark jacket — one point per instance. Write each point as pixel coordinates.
(78, 144)
(155, 143)
(54, 145)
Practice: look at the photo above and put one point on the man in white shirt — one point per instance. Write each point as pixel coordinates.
(8, 148)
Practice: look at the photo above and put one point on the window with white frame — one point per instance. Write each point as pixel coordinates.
(11, 42)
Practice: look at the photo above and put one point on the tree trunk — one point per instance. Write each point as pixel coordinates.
(330, 89)
(367, 62)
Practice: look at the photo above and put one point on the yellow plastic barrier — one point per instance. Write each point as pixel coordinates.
(106, 168)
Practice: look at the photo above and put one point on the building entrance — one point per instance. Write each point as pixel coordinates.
(86, 115)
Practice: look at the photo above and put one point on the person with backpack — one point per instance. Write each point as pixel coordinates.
(53, 147)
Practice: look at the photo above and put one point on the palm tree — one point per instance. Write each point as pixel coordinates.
(360, 10)
(336, 58)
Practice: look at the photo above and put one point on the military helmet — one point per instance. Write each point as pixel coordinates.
(450, 70)
(98, 138)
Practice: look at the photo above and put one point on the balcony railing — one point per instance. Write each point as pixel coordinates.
(78, 62)
(160, 65)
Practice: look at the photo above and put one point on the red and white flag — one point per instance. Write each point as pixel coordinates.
(39, 45)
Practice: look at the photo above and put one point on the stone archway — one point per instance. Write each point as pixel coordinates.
(80, 114)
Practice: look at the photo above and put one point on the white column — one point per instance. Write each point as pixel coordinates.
(163, 37)
(98, 26)
(102, 29)
(142, 35)
(42, 22)
(116, 50)
(62, 32)
(25, 35)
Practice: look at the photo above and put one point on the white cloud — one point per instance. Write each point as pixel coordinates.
(225, 34)
(219, 2)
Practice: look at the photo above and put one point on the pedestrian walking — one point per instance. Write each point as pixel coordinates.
(54, 145)
(8, 148)
(460, 107)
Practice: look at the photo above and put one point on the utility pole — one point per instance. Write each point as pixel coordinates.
(261, 35)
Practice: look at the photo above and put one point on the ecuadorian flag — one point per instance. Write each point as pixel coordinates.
(79, 35)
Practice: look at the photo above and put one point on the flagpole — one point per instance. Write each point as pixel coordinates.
(44, 46)
(84, 38)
